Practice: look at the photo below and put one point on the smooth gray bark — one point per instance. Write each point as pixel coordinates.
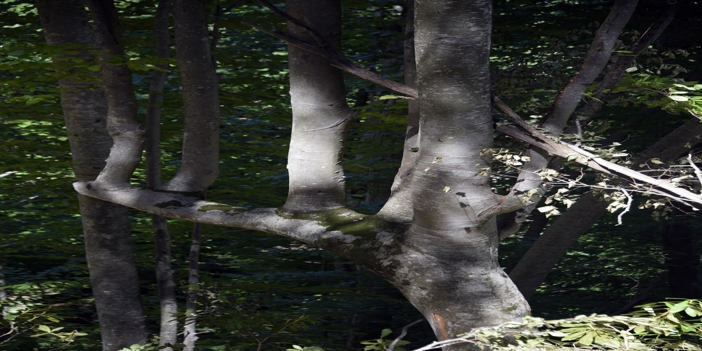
(190, 324)
(320, 113)
(200, 157)
(451, 273)
(106, 227)
(127, 135)
(398, 208)
(168, 325)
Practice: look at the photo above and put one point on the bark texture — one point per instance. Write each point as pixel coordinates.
(451, 273)
(320, 113)
(168, 329)
(106, 227)
(127, 135)
(200, 160)
(399, 206)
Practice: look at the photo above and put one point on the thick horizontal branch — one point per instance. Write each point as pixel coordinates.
(341, 231)
(534, 137)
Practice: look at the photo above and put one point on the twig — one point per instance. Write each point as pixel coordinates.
(402, 335)
(698, 173)
(628, 206)
(334, 56)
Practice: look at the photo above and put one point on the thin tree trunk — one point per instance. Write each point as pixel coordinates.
(625, 61)
(189, 328)
(168, 330)
(122, 125)
(398, 207)
(320, 113)
(595, 61)
(106, 227)
(200, 160)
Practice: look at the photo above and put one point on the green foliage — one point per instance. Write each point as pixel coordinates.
(669, 325)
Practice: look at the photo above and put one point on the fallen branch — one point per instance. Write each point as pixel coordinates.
(539, 139)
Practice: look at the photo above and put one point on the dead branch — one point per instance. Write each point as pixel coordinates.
(539, 139)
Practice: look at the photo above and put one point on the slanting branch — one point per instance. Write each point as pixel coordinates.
(336, 59)
(595, 61)
(539, 139)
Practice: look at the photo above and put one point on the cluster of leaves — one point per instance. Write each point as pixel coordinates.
(48, 326)
(669, 325)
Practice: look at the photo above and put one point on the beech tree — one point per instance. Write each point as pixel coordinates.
(436, 238)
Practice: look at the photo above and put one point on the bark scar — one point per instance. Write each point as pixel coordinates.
(440, 323)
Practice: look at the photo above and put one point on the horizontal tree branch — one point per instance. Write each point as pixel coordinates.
(341, 231)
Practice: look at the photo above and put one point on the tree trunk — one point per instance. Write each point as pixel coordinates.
(398, 208)
(200, 160)
(106, 227)
(189, 327)
(320, 113)
(168, 328)
(448, 268)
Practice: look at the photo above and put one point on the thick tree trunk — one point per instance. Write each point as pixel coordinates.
(320, 113)
(106, 226)
(449, 268)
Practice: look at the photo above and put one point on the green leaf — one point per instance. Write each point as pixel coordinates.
(680, 306)
(44, 328)
(586, 340)
(678, 98)
(385, 332)
(574, 336)
(691, 312)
